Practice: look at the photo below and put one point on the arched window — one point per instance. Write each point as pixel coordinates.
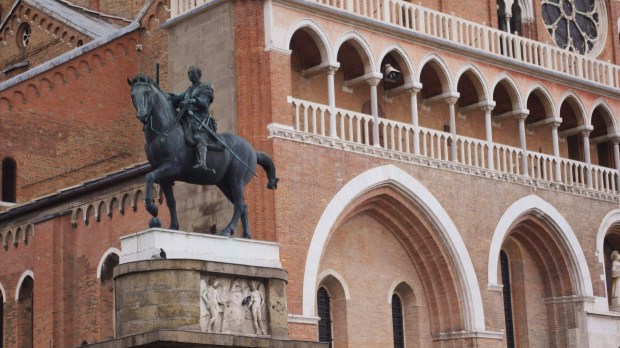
(9, 176)
(501, 15)
(25, 313)
(515, 20)
(397, 322)
(510, 336)
(106, 296)
(323, 304)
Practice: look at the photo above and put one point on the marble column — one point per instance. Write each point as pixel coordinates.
(586, 150)
(331, 98)
(452, 106)
(522, 144)
(374, 109)
(414, 119)
(488, 126)
(556, 149)
(616, 142)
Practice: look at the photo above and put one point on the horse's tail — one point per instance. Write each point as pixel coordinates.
(270, 169)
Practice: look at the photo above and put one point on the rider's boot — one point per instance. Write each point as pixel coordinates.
(202, 159)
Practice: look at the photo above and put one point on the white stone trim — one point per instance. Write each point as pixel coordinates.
(27, 273)
(302, 319)
(535, 204)
(581, 109)
(613, 217)
(343, 283)
(549, 100)
(444, 67)
(457, 252)
(316, 32)
(366, 55)
(503, 76)
(611, 117)
(410, 78)
(483, 82)
(3, 293)
(105, 255)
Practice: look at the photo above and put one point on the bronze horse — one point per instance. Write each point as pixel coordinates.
(173, 160)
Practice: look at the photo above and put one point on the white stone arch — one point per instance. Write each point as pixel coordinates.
(3, 292)
(612, 218)
(612, 118)
(339, 278)
(516, 92)
(102, 260)
(444, 73)
(534, 204)
(411, 77)
(483, 95)
(27, 273)
(414, 190)
(317, 33)
(550, 107)
(362, 44)
(580, 108)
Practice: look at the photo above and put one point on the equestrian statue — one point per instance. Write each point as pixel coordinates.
(179, 133)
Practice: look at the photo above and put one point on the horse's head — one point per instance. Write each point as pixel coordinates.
(142, 96)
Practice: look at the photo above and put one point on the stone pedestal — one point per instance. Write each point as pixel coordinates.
(208, 290)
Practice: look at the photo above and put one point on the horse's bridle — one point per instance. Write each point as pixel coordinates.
(148, 118)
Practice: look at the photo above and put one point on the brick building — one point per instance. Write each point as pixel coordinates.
(449, 170)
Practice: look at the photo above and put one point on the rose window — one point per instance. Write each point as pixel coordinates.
(575, 25)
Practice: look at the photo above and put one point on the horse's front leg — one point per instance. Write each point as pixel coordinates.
(172, 205)
(164, 171)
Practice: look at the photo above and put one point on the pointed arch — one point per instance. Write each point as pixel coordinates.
(23, 277)
(612, 218)
(574, 100)
(542, 91)
(514, 92)
(331, 273)
(444, 73)
(111, 251)
(480, 81)
(602, 103)
(316, 33)
(533, 204)
(409, 72)
(361, 46)
(414, 190)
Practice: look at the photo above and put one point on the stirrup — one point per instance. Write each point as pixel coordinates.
(204, 167)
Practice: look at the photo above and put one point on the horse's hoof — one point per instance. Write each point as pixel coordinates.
(152, 209)
(226, 233)
(247, 236)
(174, 227)
(154, 222)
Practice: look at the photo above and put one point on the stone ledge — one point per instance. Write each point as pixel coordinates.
(200, 266)
(179, 338)
(145, 245)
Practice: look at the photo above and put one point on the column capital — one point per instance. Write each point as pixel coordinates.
(332, 68)
(586, 132)
(521, 117)
(374, 80)
(488, 106)
(554, 122)
(615, 140)
(414, 87)
(452, 99)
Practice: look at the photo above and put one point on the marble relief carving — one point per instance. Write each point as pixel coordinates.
(232, 305)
